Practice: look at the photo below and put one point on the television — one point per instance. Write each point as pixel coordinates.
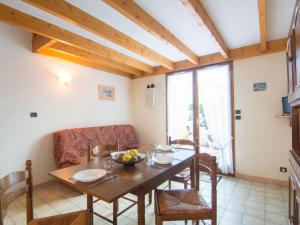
(286, 107)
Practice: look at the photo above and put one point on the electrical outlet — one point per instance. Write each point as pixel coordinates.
(283, 169)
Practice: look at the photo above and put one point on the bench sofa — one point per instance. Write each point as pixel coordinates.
(71, 145)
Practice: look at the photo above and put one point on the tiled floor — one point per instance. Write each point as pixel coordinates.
(240, 202)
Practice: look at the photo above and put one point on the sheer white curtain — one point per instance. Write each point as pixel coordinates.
(214, 95)
(180, 100)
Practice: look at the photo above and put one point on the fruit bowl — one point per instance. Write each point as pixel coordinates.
(128, 161)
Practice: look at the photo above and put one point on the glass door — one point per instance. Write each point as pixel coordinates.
(180, 106)
(215, 114)
(199, 108)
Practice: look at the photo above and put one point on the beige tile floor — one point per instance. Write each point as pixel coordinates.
(240, 202)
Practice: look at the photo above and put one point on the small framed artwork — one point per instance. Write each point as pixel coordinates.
(260, 86)
(106, 93)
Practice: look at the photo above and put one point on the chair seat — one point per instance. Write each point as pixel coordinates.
(75, 218)
(181, 202)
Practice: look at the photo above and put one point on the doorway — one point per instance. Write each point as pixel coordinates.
(200, 108)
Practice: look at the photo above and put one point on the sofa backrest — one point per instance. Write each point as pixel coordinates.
(71, 145)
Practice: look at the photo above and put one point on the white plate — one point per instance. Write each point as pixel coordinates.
(163, 159)
(164, 147)
(89, 175)
(116, 153)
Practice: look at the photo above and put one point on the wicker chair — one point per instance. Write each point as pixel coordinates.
(18, 183)
(188, 204)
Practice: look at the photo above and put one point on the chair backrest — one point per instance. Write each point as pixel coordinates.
(100, 151)
(14, 185)
(183, 142)
(208, 164)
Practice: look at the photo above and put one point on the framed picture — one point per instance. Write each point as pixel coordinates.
(106, 93)
(260, 86)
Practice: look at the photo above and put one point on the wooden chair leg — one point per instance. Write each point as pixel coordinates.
(170, 185)
(115, 212)
(150, 197)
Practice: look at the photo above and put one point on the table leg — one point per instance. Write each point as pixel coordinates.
(141, 206)
(90, 209)
(192, 173)
(115, 212)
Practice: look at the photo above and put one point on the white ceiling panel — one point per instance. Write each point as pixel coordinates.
(173, 15)
(279, 15)
(236, 20)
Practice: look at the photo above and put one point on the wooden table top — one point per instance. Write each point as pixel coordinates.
(128, 178)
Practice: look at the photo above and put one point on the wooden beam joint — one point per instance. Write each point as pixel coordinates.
(40, 43)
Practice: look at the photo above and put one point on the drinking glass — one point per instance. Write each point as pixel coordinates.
(149, 158)
(107, 164)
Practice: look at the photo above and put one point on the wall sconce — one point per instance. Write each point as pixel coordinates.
(64, 77)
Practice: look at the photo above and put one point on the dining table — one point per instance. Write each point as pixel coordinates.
(140, 178)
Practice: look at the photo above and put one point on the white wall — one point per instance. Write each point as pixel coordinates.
(28, 84)
(150, 122)
(262, 139)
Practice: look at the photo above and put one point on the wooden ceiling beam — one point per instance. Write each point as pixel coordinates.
(87, 56)
(197, 10)
(35, 25)
(234, 54)
(78, 60)
(136, 14)
(40, 43)
(262, 24)
(70, 13)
